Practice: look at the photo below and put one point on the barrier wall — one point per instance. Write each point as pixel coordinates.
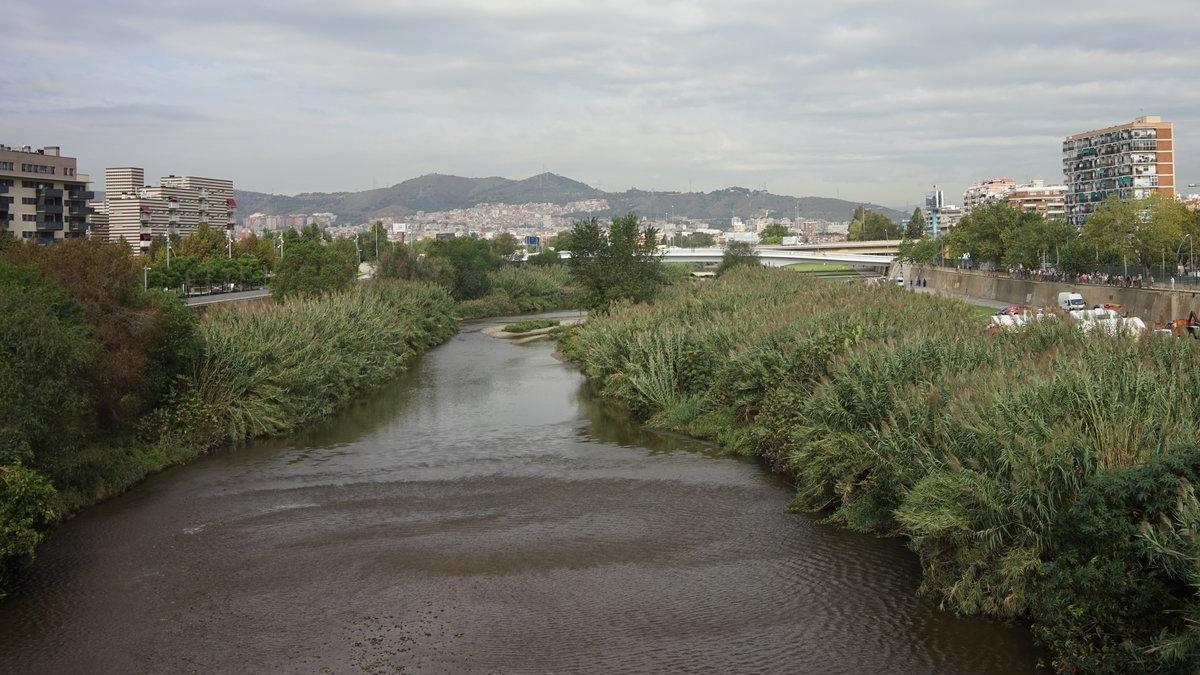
(1149, 304)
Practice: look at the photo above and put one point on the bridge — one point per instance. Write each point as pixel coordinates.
(880, 247)
(777, 257)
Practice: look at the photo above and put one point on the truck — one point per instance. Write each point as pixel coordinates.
(1070, 301)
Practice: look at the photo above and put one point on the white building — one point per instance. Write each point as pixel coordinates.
(137, 212)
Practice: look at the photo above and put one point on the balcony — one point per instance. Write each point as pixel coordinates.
(48, 223)
(52, 193)
(5, 201)
(3, 188)
(55, 209)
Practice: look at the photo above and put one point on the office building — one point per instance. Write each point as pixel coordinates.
(136, 213)
(940, 216)
(1130, 161)
(42, 196)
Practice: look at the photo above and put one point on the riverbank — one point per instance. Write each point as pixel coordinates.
(1150, 304)
(482, 512)
(252, 371)
(1043, 475)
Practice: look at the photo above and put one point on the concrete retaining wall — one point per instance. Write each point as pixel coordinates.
(1150, 305)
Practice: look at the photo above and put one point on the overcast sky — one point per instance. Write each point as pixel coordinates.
(859, 99)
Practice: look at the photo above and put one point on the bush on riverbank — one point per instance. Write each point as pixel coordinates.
(523, 289)
(528, 325)
(75, 428)
(1042, 474)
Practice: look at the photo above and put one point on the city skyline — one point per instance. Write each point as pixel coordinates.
(870, 101)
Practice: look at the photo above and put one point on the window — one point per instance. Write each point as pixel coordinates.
(6, 166)
(29, 201)
(28, 217)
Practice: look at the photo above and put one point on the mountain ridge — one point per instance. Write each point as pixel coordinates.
(443, 192)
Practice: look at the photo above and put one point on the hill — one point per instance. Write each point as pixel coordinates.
(440, 192)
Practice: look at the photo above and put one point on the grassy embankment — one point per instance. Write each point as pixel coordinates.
(1041, 475)
(105, 385)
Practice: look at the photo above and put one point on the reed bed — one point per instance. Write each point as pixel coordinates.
(270, 369)
(1041, 475)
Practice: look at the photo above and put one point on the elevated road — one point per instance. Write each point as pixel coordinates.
(880, 247)
(777, 257)
(215, 298)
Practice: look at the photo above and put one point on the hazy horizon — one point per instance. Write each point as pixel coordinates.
(865, 100)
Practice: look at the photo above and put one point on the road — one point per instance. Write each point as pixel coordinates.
(994, 304)
(227, 297)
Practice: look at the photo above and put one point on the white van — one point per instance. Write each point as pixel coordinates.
(1070, 301)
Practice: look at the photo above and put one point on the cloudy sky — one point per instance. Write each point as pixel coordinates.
(860, 99)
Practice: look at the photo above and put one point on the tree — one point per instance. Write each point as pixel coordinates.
(206, 242)
(871, 226)
(622, 263)
(372, 244)
(980, 233)
(105, 281)
(737, 254)
(261, 249)
(53, 376)
(310, 267)
(505, 245)
(1146, 231)
(922, 251)
(467, 261)
(916, 225)
(773, 234)
(693, 240)
(1033, 239)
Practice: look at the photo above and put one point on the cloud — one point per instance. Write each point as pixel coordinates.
(867, 99)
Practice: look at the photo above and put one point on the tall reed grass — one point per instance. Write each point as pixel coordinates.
(894, 413)
(270, 369)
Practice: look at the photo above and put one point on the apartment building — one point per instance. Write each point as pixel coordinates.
(42, 196)
(986, 191)
(1132, 160)
(136, 212)
(1048, 200)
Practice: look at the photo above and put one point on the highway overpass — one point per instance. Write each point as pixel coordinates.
(776, 257)
(882, 247)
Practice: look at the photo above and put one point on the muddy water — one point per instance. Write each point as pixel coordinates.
(480, 514)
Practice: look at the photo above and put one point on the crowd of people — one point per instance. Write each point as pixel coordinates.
(1098, 278)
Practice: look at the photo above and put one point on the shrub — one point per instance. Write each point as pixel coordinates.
(46, 355)
(27, 512)
(531, 324)
(1042, 474)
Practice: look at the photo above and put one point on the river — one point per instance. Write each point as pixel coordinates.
(481, 513)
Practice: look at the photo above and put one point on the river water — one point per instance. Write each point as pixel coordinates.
(482, 513)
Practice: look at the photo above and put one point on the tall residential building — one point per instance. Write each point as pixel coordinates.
(42, 197)
(137, 212)
(986, 191)
(1048, 200)
(1132, 160)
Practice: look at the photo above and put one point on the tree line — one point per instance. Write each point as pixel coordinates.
(1142, 233)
